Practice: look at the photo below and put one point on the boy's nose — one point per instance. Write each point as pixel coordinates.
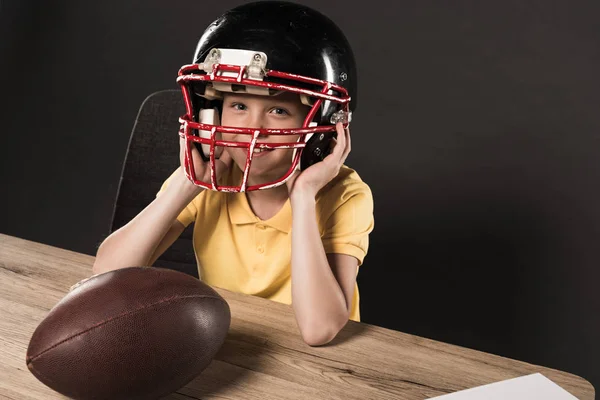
(256, 122)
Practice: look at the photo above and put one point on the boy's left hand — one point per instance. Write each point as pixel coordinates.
(312, 179)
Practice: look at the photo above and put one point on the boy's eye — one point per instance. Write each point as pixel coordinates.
(238, 106)
(280, 111)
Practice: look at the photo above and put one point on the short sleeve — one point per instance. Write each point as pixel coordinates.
(188, 214)
(347, 229)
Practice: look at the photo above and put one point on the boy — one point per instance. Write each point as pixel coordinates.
(263, 143)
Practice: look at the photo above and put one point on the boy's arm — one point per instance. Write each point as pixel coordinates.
(320, 304)
(150, 233)
(171, 236)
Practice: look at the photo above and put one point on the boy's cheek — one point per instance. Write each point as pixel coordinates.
(229, 137)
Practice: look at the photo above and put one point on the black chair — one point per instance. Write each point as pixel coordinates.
(152, 155)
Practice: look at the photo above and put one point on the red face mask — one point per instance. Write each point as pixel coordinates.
(245, 70)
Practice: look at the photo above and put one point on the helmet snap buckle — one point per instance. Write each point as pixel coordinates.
(341, 116)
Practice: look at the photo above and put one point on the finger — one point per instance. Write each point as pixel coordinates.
(196, 157)
(348, 147)
(196, 162)
(340, 142)
(183, 148)
(182, 152)
(181, 139)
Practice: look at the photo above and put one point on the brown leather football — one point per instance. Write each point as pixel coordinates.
(132, 333)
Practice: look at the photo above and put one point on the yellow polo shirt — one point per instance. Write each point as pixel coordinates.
(237, 251)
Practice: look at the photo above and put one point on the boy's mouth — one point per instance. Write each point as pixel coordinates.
(261, 152)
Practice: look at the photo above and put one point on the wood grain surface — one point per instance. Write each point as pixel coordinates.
(263, 357)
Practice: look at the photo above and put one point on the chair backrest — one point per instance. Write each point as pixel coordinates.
(152, 155)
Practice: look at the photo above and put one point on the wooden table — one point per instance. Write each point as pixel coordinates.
(263, 356)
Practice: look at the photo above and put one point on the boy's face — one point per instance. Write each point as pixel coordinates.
(283, 111)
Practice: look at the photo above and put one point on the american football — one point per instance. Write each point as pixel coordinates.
(131, 333)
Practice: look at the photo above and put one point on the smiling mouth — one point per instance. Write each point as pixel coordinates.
(261, 152)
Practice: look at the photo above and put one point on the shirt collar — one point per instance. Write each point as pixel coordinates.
(241, 213)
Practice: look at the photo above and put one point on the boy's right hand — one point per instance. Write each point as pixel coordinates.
(201, 167)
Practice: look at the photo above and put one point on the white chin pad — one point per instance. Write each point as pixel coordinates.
(210, 116)
(308, 136)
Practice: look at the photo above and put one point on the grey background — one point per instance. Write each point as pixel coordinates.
(477, 129)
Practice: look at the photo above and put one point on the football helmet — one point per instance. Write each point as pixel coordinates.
(264, 48)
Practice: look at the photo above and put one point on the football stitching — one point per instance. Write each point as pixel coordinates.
(121, 316)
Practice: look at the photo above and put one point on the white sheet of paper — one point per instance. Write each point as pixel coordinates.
(528, 387)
